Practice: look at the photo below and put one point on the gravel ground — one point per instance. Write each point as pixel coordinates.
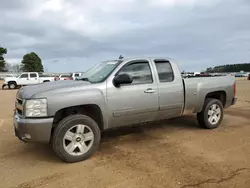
(169, 154)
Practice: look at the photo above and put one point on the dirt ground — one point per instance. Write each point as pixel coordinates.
(170, 154)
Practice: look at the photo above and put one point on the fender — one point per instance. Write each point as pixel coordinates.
(59, 100)
(203, 90)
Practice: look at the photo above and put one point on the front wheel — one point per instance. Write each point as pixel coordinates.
(12, 85)
(212, 114)
(76, 138)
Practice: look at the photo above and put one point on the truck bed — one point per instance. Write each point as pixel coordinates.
(196, 89)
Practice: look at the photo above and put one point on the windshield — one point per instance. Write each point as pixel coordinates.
(99, 72)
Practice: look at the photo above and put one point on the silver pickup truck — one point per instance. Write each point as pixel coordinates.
(70, 115)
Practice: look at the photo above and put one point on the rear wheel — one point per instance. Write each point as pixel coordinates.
(76, 138)
(212, 114)
(12, 85)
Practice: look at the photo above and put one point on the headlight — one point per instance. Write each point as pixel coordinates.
(36, 108)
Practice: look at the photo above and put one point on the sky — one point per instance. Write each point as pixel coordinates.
(74, 35)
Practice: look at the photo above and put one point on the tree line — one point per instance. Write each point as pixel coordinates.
(31, 62)
(230, 68)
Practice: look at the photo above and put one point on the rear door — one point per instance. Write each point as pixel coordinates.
(170, 89)
(33, 78)
(136, 102)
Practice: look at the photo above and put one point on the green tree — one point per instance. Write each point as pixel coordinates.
(210, 70)
(32, 63)
(3, 51)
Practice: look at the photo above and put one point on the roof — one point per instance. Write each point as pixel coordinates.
(142, 57)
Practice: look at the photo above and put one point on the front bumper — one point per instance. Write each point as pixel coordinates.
(4, 86)
(33, 130)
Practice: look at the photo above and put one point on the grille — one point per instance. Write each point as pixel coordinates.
(19, 106)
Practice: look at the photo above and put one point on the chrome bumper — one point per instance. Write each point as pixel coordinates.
(32, 130)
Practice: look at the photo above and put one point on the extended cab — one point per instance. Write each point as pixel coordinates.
(71, 114)
(26, 78)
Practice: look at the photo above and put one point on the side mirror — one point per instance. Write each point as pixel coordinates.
(122, 79)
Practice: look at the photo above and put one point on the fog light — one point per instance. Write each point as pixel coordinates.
(27, 136)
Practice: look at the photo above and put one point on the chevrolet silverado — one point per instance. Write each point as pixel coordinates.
(70, 115)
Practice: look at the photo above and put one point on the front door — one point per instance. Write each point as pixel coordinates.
(136, 102)
(23, 79)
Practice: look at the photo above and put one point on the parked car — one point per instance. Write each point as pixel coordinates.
(26, 78)
(70, 115)
(239, 75)
(75, 75)
(65, 77)
(56, 78)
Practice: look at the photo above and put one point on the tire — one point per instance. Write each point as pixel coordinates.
(70, 125)
(206, 118)
(3, 86)
(12, 85)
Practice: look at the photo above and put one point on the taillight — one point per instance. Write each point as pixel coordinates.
(234, 88)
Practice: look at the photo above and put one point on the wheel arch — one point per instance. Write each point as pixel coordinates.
(221, 95)
(12, 81)
(91, 110)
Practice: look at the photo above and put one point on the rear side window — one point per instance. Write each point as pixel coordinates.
(164, 70)
(33, 75)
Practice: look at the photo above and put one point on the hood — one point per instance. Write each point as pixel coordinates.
(27, 92)
(6, 79)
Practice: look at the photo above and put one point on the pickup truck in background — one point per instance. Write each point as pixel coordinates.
(26, 78)
(64, 77)
(70, 115)
(71, 76)
(75, 75)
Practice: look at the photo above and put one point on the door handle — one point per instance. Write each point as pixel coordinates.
(149, 90)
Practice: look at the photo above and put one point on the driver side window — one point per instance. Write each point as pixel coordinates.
(139, 71)
(24, 76)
